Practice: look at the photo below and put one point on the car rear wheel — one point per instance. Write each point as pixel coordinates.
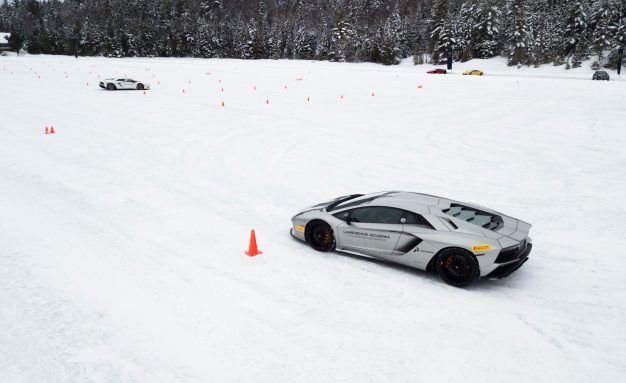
(320, 236)
(457, 267)
(139, 86)
(111, 87)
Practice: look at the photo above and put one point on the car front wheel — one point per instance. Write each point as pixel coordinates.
(140, 87)
(457, 267)
(320, 236)
(111, 87)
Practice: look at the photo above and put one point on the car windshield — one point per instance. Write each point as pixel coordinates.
(357, 201)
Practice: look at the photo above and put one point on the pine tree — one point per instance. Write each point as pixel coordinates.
(304, 43)
(486, 32)
(445, 43)
(463, 26)
(606, 19)
(341, 34)
(393, 40)
(440, 31)
(518, 44)
(576, 33)
(15, 41)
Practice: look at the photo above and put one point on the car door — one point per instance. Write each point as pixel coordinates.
(417, 243)
(372, 230)
(120, 83)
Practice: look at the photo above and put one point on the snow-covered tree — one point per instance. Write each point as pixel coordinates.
(341, 35)
(527, 31)
(441, 34)
(519, 42)
(486, 32)
(576, 32)
(606, 19)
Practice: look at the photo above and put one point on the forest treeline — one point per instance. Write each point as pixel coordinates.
(527, 32)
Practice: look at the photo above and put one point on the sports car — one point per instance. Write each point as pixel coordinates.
(473, 72)
(437, 71)
(459, 241)
(123, 83)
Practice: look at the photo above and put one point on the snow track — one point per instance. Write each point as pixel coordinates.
(122, 238)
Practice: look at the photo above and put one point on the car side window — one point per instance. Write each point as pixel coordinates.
(343, 215)
(120, 79)
(376, 214)
(416, 219)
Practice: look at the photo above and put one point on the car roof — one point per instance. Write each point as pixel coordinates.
(415, 202)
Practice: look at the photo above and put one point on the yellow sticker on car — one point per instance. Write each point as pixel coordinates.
(481, 247)
(299, 228)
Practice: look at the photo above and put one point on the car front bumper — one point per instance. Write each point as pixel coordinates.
(297, 235)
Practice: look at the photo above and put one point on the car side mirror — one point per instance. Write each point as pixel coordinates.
(349, 220)
(403, 220)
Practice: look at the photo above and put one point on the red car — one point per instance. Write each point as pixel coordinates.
(437, 71)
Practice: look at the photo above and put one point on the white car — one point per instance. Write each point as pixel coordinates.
(459, 241)
(123, 83)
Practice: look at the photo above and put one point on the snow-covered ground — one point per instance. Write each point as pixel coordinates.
(122, 235)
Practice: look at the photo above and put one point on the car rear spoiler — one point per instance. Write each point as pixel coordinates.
(342, 200)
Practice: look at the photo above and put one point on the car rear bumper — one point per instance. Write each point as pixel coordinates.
(508, 268)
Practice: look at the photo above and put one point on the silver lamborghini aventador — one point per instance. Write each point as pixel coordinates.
(459, 241)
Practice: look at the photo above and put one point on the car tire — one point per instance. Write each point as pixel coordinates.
(111, 87)
(457, 267)
(140, 87)
(320, 236)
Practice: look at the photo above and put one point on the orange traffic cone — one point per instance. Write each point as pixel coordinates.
(222, 103)
(253, 250)
(52, 130)
(47, 131)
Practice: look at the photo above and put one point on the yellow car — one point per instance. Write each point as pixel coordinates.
(473, 72)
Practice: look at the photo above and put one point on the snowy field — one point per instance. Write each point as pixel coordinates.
(122, 235)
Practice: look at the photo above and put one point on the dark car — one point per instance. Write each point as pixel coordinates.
(437, 71)
(600, 75)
